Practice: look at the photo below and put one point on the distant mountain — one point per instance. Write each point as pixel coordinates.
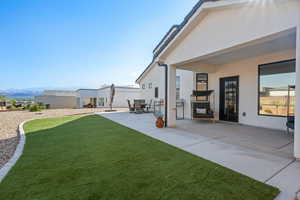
(29, 93)
(20, 94)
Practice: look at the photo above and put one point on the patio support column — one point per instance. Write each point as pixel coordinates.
(297, 114)
(171, 104)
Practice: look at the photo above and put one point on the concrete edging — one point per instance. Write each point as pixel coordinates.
(17, 154)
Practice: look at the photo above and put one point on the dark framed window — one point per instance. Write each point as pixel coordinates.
(143, 86)
(201, 84)
(177, 87)
(273, 82)
(101, 101)
(156, 92)
(150, 85)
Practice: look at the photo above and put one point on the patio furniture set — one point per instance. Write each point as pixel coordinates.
(140, 106)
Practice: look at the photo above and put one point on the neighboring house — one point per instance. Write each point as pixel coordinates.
(66, 93)
(95, 98)
(57, 99)
(247, 51)
(87, 98)
(101, 97)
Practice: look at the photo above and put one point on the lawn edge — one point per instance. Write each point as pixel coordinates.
(17, 154)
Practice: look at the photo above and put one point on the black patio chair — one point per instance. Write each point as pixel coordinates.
(138, 106)
(131, 109)
(149, 107)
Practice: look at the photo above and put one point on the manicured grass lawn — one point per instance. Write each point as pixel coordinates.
(92, 158)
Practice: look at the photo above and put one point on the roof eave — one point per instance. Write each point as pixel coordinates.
(171, 37)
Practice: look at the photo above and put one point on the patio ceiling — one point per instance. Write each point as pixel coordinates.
(269, 44)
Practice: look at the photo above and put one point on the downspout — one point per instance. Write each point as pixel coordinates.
(166, 91)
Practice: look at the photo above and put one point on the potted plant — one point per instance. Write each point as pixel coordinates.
(160, 123)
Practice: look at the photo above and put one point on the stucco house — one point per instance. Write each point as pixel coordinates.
(97, 98)
(246, 51)
(101, 97)
(56, 99)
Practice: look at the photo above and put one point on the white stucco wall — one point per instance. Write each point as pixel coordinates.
(56, 102)
(156, 76)
(247, 70)
(122, 94)
(59, 93)
(120, 99)
(224, 28)
(87, 93)
(104, 93)
(187, 86)
(84, 95)
(221, 29)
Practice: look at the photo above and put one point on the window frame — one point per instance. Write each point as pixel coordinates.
(150, 85)
(102, 102)
(258, 88)
(156, 93)
(143, 86)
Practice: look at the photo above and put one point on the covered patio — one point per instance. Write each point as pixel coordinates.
(259, 153)
(249, 57)
(242, 62)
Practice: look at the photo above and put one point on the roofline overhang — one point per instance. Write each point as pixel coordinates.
(168, 34)
(199, 8)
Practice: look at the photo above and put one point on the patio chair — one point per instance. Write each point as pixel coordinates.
(149, 107)
(290, 124)
(138, 108)
(131, 109)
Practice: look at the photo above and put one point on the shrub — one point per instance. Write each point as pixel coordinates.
(42, 107)
(27, 107)
(34, 108)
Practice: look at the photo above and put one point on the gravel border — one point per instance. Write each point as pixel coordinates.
(18, 152)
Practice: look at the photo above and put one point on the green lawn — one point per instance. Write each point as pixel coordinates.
(91, 158)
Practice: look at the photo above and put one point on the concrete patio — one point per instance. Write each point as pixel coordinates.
(262, 154)
(275, 142)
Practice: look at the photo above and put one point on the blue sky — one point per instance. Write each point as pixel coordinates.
(81, 43)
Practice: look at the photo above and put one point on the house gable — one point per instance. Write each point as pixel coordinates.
(170, 36)
(222, 28)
